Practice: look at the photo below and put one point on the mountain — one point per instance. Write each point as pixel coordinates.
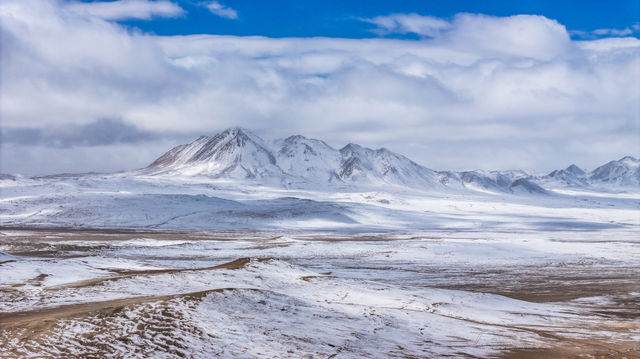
(525, 186)
(570, 176)
(301, 162)
(483, 181)
(234, 153)
(614, 175)
(513, 181)
(239, 154)
(381, 166)
(307, 158)
(623, 172)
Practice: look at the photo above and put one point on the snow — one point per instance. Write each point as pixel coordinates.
(4, 257)
(303, 163)
(149, 242)
(177, 202)
(624, 172)
(371, 296)
(354, 251)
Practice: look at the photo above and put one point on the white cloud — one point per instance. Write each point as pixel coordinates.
(486, 92)
(221, 10)
(609, 32)
(409, 24)
(520, 35)
(613, 32)
(126, 9)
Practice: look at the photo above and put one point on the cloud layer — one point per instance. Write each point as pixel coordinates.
(477, 91)
(99, 133)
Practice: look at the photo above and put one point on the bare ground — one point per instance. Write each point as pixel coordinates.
(33, 329)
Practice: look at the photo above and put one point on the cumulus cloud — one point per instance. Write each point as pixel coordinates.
(223, 11)
(126, 9)
(488, 92)
(521, 35)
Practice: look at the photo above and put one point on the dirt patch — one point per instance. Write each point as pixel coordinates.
(233, 265)
(570, 351)
(35, 318)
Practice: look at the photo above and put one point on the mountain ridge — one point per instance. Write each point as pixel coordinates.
(238, 154)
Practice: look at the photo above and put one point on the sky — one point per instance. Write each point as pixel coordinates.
(454, 85)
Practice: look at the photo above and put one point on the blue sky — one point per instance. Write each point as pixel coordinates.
(453, 85)
(335, 18)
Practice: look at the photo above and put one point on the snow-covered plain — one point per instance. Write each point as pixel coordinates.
(200, 203)
(233, 294)
(392, 272)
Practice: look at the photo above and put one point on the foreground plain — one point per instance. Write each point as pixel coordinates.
(527, 294)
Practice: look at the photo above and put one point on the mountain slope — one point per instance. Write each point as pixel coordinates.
(381, 166)
(623, 172)
(309, 159)
(570, 176)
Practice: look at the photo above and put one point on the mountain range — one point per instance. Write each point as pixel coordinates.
(300, 162)
(235, 180)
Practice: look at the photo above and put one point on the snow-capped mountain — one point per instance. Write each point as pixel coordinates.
(614, 175)
(234, 153)
(239, 154)
(360, 164)
(237, 181)
(491, 181)
(297, 161)
(307, 158)
(570, 176)
(623, 172)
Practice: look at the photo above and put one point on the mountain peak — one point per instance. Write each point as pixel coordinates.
(236, 130)
(239, 132)
(295, 138)
(575, 170)
(234, 152)
(351, 147)
(629, 159)
(624, 172)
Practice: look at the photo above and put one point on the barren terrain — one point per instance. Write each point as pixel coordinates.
(101, 293)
